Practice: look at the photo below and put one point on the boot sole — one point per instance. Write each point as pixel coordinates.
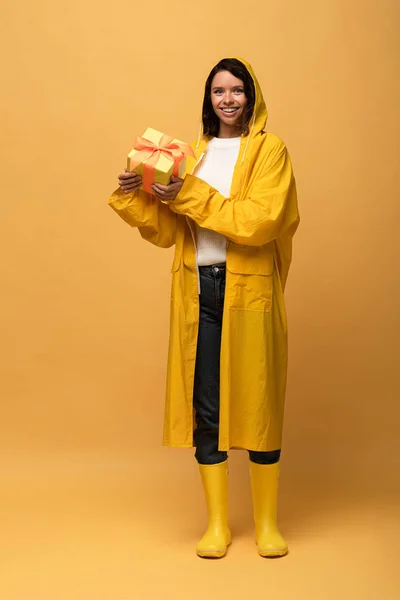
(272, 553)
(212, 553)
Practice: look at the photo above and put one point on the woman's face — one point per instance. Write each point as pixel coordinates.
(228, 99)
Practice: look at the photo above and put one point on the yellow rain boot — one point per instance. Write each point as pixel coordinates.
(264, 485)
(218, 536)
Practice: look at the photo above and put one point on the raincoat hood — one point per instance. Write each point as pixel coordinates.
(259, 117)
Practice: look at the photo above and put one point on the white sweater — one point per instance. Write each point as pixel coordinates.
(216, 169)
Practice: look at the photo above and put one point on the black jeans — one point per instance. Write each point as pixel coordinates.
(206, 380)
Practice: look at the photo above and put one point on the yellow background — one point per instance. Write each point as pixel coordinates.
(92, 505)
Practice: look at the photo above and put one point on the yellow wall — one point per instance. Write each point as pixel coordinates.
(85, 301)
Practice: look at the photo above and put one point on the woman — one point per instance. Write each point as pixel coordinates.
(232, 219)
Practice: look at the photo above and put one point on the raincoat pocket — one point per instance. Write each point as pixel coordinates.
(249, 283)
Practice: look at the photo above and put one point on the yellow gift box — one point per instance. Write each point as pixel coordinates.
(156, 157)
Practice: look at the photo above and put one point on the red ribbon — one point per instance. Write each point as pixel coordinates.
(148, 153)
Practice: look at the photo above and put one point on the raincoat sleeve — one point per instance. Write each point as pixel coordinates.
(155, 221)
(268, 209)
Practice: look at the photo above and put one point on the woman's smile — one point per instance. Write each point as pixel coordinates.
(230, 111)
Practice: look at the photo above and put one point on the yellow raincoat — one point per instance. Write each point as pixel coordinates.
(259, 220)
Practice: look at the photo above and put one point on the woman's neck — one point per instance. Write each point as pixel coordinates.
(228, 132)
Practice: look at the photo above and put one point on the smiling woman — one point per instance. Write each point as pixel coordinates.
(232, 220)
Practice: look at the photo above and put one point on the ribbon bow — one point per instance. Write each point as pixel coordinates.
(148, 153)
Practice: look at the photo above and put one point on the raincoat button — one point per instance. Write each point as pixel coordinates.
(216, 269)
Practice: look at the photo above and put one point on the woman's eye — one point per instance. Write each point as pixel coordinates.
(235, 91)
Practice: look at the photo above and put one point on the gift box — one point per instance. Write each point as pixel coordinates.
(156, 157)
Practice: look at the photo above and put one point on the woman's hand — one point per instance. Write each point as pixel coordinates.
(129, 182)
(168, 192)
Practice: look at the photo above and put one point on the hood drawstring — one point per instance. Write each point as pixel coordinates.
(249, 136)
(200, 135)
(197, 147)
